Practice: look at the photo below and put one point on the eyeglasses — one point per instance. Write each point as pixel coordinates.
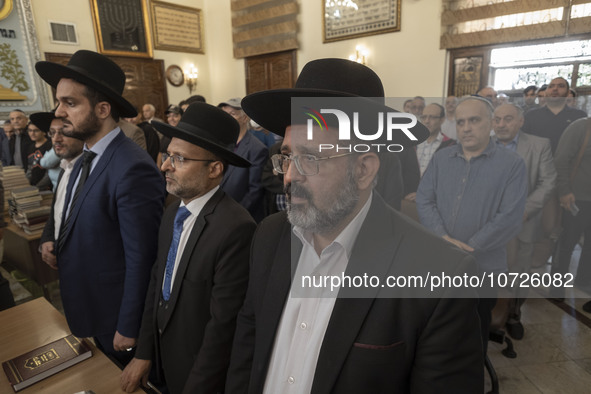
(429, 117)
(54, 133)
(177, 161)
(306, 164)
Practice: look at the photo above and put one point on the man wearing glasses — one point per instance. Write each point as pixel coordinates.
(293, 338)
(433, 117)
(200, 276)
(69, 150)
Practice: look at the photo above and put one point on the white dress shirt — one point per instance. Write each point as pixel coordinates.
(195, 207)
(305, 317)
(448, 128)
(60, 193)
(426, 150)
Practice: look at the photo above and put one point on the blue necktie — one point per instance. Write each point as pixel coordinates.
(179, 219)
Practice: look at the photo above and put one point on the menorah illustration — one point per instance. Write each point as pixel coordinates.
(121, 21)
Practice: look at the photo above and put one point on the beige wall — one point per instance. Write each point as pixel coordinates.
(409, 62)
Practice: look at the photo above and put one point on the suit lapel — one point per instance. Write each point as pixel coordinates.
(374, 253)
(188, 250)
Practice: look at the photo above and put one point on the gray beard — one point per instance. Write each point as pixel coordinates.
(320, 221)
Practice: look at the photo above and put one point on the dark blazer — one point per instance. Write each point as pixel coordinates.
(110, 242)
(193, 340)
(411, 172)
(4, 149)
(244, 184)
(48, 234)
(373, 344)
(27, 146)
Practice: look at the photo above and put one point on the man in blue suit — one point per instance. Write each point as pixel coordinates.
(114, 201)
(244, 184)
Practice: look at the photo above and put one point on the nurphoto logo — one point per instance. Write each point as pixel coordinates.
(378, 128)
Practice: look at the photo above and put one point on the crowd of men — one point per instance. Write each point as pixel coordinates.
(196, 297)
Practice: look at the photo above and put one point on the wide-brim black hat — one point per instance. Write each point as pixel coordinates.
(324, 78)
(94, 70)
(43, 120)
(210, 128)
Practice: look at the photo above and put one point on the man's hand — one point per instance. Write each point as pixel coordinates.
(410, 197)
(47, 254)
(567, 201)
(459, 244)
(135, 372)
(121, 343)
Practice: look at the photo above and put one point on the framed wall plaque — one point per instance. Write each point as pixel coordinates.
(177, 28)
(343, 20)
(121, 27)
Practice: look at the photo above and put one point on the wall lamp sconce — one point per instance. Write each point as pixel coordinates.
(191, 78)
(360, 55)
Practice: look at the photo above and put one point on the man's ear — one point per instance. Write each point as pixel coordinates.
(102, 110)
(367, 168)
(216, 169)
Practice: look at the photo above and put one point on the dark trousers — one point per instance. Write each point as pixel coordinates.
(485, 307)
(6, 298)
(573, 228)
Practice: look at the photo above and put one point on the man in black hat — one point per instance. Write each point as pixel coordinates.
(107, 240)
(199, 279)
(294, 337)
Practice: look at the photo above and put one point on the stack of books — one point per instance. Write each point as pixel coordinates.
(12, 177)
(26, 210)
(46, 198)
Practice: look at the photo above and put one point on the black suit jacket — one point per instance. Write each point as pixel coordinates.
(27, 147)
(193, 344)
(243, 184)
(49, 229)
(374, 344)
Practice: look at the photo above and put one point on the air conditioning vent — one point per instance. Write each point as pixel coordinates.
(63, 33)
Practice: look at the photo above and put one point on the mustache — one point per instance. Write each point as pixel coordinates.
(296, 190)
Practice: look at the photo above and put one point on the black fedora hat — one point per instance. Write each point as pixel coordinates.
(94, 70)
(208, 127)
(323, 78)
(43, 120)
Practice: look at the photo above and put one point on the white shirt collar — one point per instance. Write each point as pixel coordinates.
(195, 206)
